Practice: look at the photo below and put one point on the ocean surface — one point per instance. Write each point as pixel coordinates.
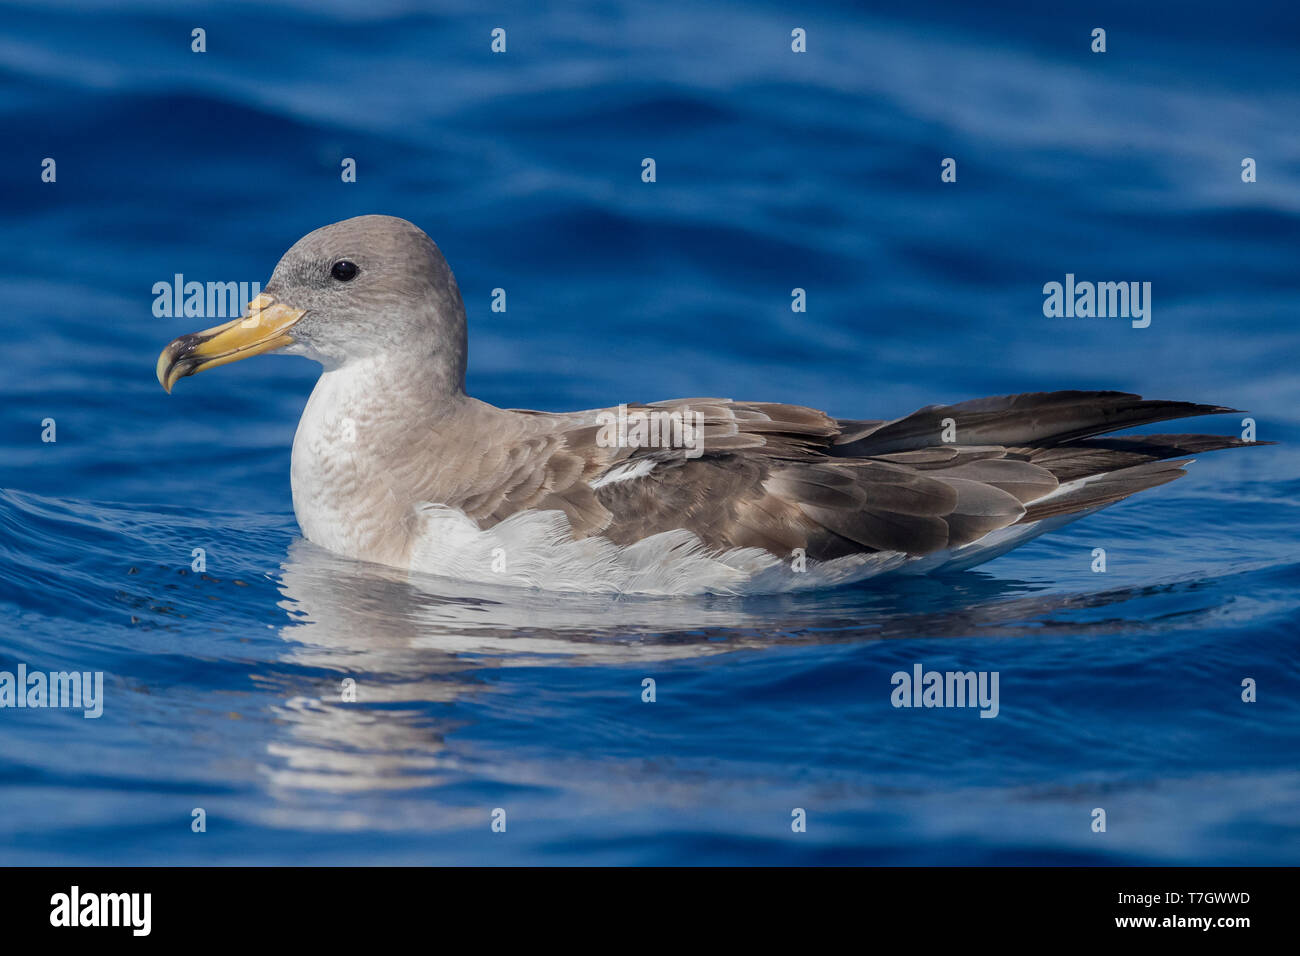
(224, 687)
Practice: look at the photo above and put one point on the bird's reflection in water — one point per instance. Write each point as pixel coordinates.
(414, 645)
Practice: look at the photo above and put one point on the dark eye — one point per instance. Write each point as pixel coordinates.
(344, 271)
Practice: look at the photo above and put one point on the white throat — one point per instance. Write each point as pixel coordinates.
(347, 495)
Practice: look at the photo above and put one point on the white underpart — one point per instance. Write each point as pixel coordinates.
(321, 457)
(535, 549)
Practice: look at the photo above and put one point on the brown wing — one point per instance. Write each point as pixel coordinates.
(781, 477)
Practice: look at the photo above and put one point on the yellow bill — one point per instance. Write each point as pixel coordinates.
(264, 327)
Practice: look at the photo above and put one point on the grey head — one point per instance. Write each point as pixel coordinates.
(363, 289)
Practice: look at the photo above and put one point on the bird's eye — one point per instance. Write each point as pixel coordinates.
(344, 271)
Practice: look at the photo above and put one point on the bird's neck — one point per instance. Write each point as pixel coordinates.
(364, 420)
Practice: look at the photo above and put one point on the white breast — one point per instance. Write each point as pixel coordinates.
(343, 495)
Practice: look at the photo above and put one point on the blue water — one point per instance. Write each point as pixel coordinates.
(1118, 690)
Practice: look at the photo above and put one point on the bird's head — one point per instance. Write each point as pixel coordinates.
(363, 288)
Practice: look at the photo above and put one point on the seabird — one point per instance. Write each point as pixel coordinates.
(394, 463)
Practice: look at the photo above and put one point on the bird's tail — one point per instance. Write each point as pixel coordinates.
(1056, 431)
